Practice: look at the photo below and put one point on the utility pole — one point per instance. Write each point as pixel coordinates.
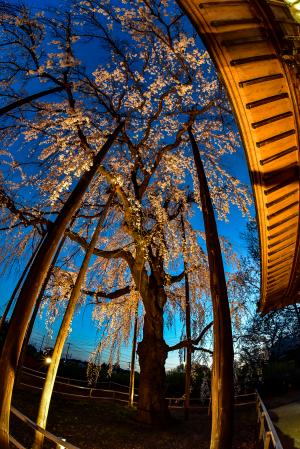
(188, 364)
(41, 347)
(67, 353)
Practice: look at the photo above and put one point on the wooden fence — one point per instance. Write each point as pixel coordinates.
(64, 387)
(267, 431)
(68, 380)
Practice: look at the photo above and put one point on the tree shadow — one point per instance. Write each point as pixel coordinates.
(286, 440)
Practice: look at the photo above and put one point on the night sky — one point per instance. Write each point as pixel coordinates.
(84, 333)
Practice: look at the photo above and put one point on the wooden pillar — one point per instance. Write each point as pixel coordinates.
(32, 286)
(63, 332)
(222, 373)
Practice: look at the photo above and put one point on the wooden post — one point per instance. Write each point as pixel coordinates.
(63, 332)
(32, 286)
(262, 426)
(132, 364)
(222, 394)
(267, 440)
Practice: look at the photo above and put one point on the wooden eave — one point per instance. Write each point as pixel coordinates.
(255, 46)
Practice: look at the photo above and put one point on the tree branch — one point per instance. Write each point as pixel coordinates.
(111, 295)
(176, 278)
(22, 101)
(200, 348)
(106, 254)
(196, 341)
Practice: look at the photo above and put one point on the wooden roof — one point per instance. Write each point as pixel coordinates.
(256, 48)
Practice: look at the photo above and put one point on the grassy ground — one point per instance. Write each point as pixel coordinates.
(104, 425)
(288, 423)
(285, 414)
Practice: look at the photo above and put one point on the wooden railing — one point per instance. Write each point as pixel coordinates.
(60, 442)
(267, 431)
(68, 380)
(199, 403)
(66, 388)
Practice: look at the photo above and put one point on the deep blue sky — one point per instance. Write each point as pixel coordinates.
(84, 335)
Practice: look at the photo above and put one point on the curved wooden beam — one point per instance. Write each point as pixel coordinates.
(256, 49)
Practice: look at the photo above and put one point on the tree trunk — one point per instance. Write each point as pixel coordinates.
(132, 365)
(63, 333)
(152, 352)
(222, 374)
(31, 289)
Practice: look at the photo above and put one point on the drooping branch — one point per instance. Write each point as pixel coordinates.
(36, 309)
(202, 333)
(8, 202)
(28, 219)
(188, 366)
(18, 285)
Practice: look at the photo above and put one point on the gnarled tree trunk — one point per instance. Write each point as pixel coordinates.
(152, 352)
(31, 289)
